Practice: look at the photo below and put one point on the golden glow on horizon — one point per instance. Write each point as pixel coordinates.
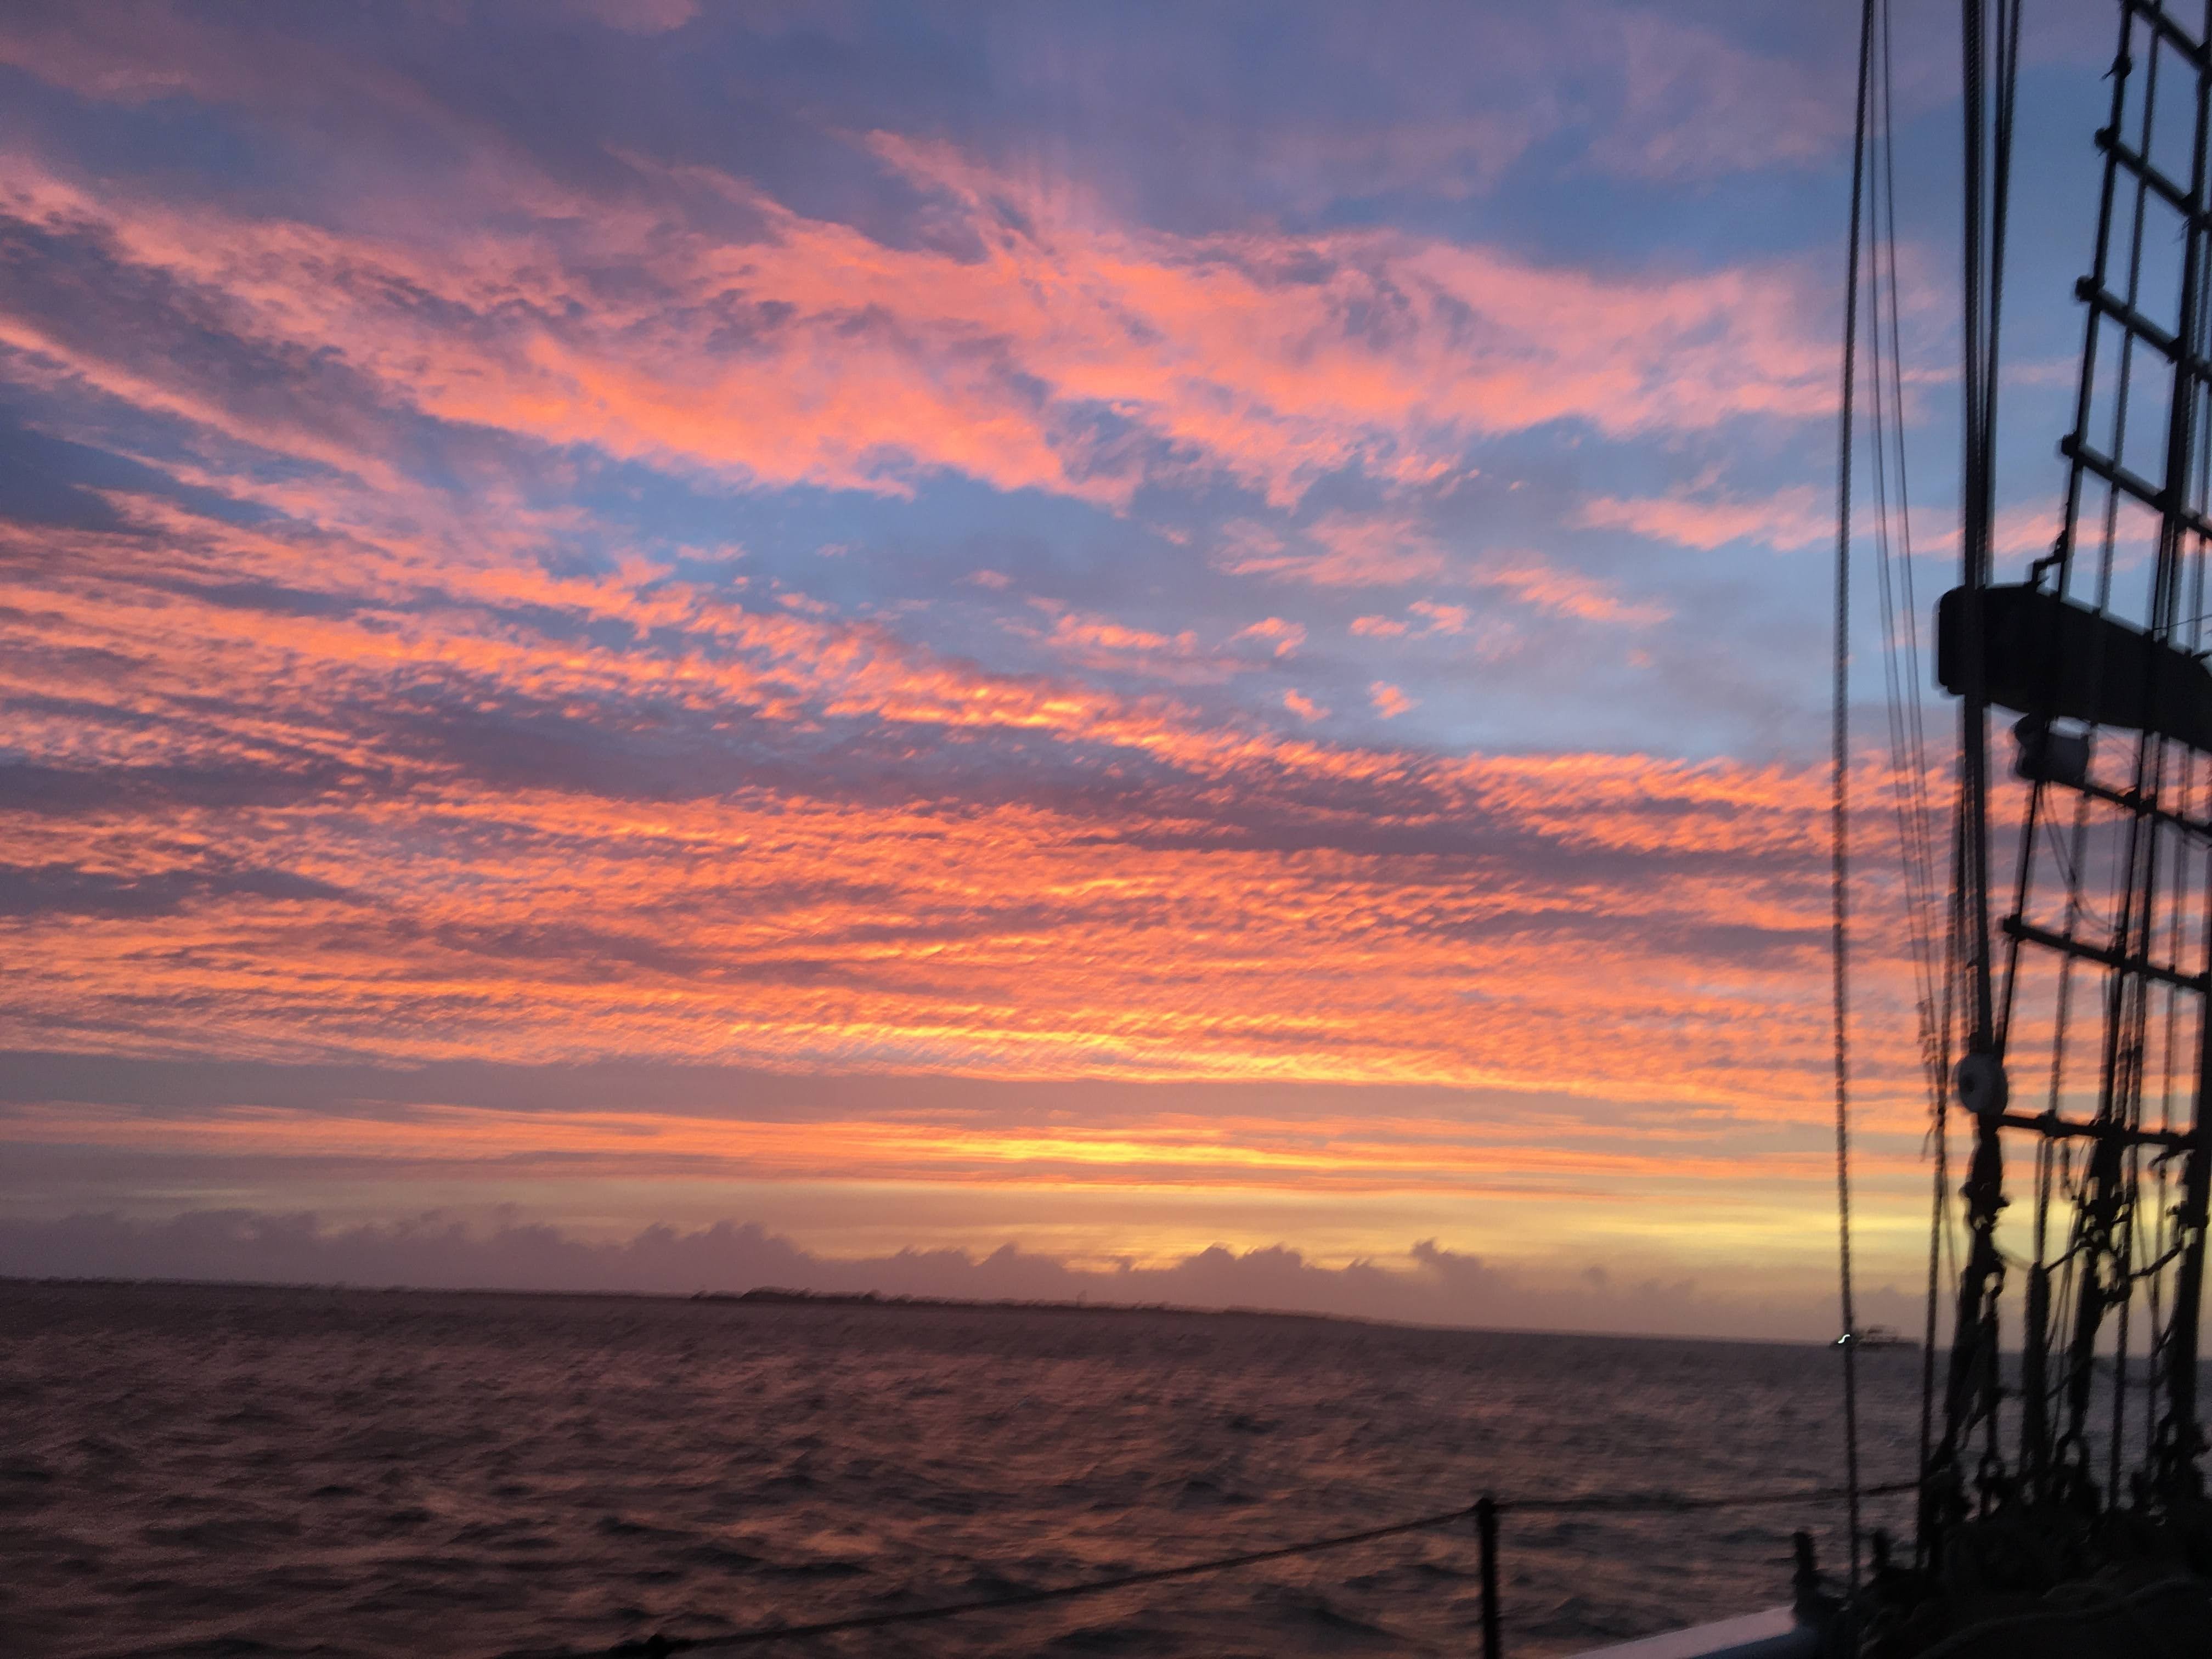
(1300, 1154)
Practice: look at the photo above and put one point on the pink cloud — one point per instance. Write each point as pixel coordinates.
(1389, 701)
(1546, 587)
(1441, 618)
(1350, 550)
(2024, 527)
(1083, 639)
(1789, 519)
(1359, 550)
(1801, 516)
(865, 364)
(1303, 707)
(1285, 636)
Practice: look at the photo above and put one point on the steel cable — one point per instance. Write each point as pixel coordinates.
(652, 1647)
(1839, 794)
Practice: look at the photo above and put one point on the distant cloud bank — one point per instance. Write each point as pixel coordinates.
(1426, 1285)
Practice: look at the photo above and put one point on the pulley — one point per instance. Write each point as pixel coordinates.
(1979, 1083)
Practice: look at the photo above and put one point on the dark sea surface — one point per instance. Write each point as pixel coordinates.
(234, 1471)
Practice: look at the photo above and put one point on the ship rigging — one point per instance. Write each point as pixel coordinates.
(2061, 935)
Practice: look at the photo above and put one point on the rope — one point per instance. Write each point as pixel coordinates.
(1839, 806)
(1672, 1502)
(1917, 839)
(655, 1647)
(1893, 567)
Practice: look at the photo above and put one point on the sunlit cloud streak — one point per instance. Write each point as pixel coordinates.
(1060, 355)
(1301, 1151)
(484, 829)
(1789, 520)
(842, 585)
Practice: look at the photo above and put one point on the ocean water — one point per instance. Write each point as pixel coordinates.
(240, 1472)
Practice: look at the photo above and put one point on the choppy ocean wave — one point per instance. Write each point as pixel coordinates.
(204, 1471)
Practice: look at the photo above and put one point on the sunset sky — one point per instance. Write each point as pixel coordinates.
(1114, 630)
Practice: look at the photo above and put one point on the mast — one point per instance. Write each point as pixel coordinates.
(2178, 1439)
(1979, 1087)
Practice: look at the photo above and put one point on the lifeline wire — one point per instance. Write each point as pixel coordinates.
(655, 1647)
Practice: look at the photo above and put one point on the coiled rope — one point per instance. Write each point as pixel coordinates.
(655, 1647)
